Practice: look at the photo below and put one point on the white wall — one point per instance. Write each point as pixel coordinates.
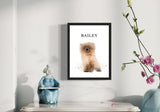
(7, 80)
(42, 39)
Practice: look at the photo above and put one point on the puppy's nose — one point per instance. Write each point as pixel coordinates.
(87, 49)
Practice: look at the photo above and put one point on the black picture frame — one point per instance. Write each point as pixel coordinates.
(109, 51)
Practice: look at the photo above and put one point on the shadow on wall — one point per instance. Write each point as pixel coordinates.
(64, 51)
(136, 100)
(11, 110)
(24, 93)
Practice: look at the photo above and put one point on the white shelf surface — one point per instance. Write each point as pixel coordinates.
(83, 107)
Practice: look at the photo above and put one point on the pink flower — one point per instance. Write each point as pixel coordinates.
(156, 68)
(150, 80)
(112, 104)
(147, 60)
(143, 74)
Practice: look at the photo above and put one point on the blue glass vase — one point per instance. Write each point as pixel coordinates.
(48, 95)
(151, 101)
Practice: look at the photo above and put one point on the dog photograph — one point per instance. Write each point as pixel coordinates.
(89, 51)
(88, 56)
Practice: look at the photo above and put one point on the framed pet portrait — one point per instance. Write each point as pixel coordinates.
(89, 51)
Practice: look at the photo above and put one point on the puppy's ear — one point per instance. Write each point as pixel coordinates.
(81, 44)
(93, 44)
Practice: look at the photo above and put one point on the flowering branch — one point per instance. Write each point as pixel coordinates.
(135, 20)
(134, 61)
(145, 73)
(136, 35)
(135, 30)
(145, 62)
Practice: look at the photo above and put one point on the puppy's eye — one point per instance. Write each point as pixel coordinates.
(85, 48)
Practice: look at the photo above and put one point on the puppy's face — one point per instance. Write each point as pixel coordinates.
(87, 48)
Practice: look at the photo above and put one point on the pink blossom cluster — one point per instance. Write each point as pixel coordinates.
(147, 60)
(150, 80)
(156, 68)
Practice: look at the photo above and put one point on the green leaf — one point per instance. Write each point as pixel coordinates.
(134, 60)
(129, 3)
(132, 27)
(141, 31)
(124, 14)
(127, 15)
(134, 52)
(123, 67)
(134, 19)
(135, 30)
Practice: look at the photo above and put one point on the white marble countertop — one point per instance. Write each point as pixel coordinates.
(84, 107)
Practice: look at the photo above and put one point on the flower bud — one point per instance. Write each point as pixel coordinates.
(129, 3)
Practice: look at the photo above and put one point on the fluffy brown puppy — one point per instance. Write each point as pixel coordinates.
(88, 57)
